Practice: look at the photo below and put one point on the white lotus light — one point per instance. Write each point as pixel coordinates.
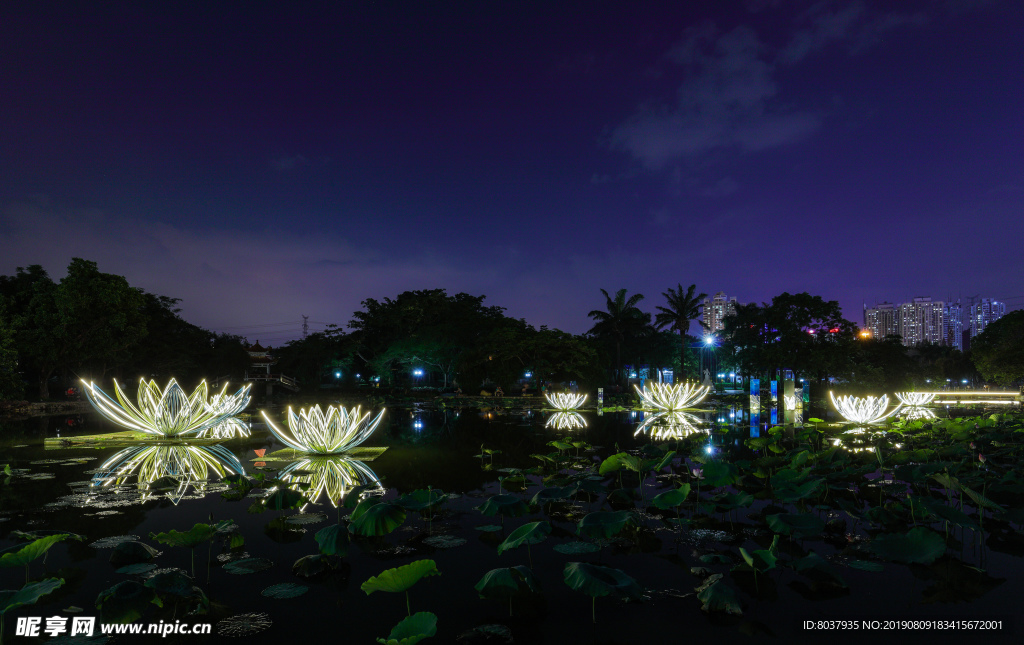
(328, 433)
(669, 425)
(914, 413)
(915, 398)
(668, 397)
(332, 476)
(229, 428)
(166, 413)
(866, 410)
(566, 420)
(189, 465)
(565, 400)
(790, 402)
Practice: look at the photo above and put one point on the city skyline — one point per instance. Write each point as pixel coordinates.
(268, 162)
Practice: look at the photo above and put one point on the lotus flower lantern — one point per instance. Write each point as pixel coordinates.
(325, 433)
(668, 397)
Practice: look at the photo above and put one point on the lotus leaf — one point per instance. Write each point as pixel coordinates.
(717, 473)
(171, 582)
(553, 494)
(798, 525)
(247, 565)
(532, 533)
(718, 596)
(921, 545)
(132, 552)
(604, 524)
(575, 548)
(504, 505)
(400, 578)
(672, 498)
(28, 594)
(29, 552)
(193, 537)
(595, 581)
(244, 625)
(944, 512)
(314, 565)
(284, 498)
(284, 590)
(125, 602)
(422, 500)
(373, 517)
(818, 568)
(412, 629)
(333, 540)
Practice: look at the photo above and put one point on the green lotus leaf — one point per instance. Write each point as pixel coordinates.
(944, 512)
(136, 569)
(865, 565)
(717, 473)
(400, 578)
(730, 501)
(718, 596)
(333, 540)
(284, 498)
(412, 629)
(532, 533)
(604, 524)
(553, 494)
(28, 552)
(171, 582)
(596, 581)
(28, 594)
(284, 590)
(246, 566)
(612, 463)
(422, 500)
(672, 498)
(575, 548)
(379, 518)
(352, 495)
(799, 525)
(314, 565)
(715, 558)
(239, 482)
(507, 505)
(818, 568)
(921, 545)
(125, 602)
(500, 584)
(132, 552)
(192, 538)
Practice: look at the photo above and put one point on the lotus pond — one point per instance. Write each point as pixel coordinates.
(613, 529)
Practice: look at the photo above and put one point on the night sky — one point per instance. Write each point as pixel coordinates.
(262, 161)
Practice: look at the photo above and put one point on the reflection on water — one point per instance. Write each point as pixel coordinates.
(566, 421)
(229, 428)
(669, 425)
(330, 475)
(187, 465)
(915, 412)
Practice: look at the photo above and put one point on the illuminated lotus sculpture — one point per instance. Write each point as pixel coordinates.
(916, 412)
(331, 475)
(915, 398)
(864, 411)
(229, 428)
(188, 465)
(315, 431)
(566, 420)
(169, 412)
(669, 425)
(565, 401)
(664, 396)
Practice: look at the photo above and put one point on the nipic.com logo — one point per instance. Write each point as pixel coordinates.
(86, 626)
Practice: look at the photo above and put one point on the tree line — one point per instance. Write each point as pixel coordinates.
(95, 325)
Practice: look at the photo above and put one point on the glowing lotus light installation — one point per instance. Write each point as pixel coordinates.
(332, 476)
(865, 411)
(915, 398)
(189, 465)
(664, 396)
(229, 428)
(669, 425)
(168, 412)
(915, 412)
(566, 420)
(565, 401)
(328, 433)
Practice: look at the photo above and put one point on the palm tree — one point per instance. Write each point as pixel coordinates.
(621, 320)
(682, 308)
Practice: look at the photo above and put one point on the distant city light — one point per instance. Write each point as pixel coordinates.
(709, 340)
(529, 374)
(337, 375)
(709, 449)
(417, 372)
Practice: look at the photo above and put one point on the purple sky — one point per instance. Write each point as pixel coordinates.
(263, 162)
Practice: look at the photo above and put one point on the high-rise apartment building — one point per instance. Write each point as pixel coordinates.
(916, 322)
(715, 311)
(985, 313)
(954, 325)
(922, 321)
(882, 320)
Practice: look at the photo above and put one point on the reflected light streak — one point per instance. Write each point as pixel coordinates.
(670, 425)
(566, 420)
(332, 476)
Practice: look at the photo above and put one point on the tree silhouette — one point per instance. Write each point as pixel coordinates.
(622, 320)
(682, 308)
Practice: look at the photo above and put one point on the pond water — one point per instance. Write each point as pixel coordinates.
(55, 488)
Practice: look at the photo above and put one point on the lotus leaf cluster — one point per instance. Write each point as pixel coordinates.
(325, 433)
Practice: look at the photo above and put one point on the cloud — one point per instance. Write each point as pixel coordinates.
(726, 100)
(852, 25)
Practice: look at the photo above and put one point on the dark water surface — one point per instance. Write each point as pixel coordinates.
(438, 448)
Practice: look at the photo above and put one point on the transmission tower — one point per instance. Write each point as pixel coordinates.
(305, 327)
